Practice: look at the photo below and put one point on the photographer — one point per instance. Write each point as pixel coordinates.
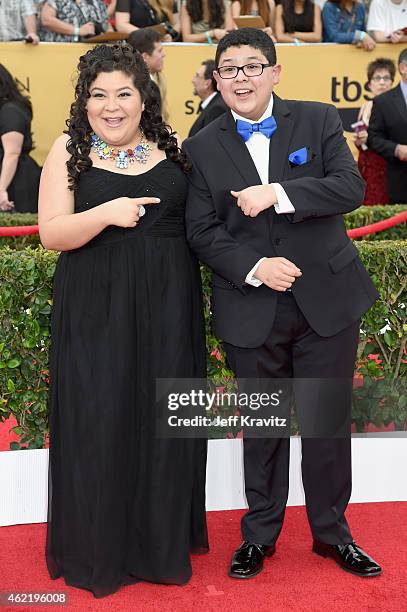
(71, 20)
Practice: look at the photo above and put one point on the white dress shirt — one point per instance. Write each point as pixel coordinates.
(205, 102)
(258, 146)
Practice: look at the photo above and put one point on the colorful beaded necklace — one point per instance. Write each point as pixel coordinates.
(122, 157)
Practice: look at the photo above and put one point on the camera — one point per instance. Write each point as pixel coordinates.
(99, 29)
(170, 30)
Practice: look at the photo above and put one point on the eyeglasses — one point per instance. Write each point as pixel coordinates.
(386, 79)
(249, 70)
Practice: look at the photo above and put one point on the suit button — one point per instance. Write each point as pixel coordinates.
(278, 241)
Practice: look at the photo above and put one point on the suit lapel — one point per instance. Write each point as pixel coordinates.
(399, 101)
(237, 150)
(280, 141)
(212, 101)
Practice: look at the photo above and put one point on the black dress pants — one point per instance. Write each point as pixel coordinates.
(294, 350)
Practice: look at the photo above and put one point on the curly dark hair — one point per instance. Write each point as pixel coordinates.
(108, 58)
(10, 91)
(216, 10)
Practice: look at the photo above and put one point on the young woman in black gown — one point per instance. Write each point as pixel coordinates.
(124, 504)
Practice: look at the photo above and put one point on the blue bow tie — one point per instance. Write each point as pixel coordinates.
(267, 127)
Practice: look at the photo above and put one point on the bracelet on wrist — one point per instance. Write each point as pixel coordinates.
(209, 37)
(76, 32)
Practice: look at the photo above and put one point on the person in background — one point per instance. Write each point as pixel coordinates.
(263, 8)
(134, 14)
(387, 19)
(70, 20)
(373, 167)
(19, 173)
(387, 133)
(298, 21)
(344, 22)
(212, 104)
(148, 42)
(18, 21)
(205, 21)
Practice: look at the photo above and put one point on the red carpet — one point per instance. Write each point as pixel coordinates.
(294, 579)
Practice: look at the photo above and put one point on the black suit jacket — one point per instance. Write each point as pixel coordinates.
(334, 289)
(387, 128)
(215, 108)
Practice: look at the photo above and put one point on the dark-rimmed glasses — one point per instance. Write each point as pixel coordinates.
(249, 70)
(386, 79)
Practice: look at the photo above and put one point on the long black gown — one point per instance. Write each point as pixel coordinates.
(124, 504)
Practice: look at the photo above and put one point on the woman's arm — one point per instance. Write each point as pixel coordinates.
(123, 23)
(61, 229)
(30, 22)
(12, 143)
(236, 8)
(229, 23)
(53, 24)
(272, 14)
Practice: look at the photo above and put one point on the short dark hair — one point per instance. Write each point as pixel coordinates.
(143, 40)
(208, 72)
(403, 56)
(381, 63)
(248, 36)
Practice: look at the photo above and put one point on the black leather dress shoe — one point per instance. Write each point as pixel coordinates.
(350, 557)
(247, 560)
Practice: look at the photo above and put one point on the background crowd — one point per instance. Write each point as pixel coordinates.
(380, 133)
(363, 23)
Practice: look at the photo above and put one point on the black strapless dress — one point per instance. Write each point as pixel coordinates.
(125, 505)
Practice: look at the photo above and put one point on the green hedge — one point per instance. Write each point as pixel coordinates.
(362, 216)
(25, 306)
(365, 215)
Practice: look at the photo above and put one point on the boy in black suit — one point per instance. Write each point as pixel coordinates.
(270, 182)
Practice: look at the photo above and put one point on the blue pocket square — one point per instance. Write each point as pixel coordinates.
(299, 157)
